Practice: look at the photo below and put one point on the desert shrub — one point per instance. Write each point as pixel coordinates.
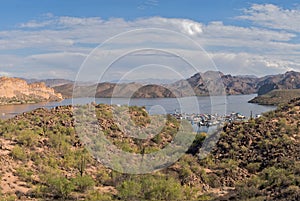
(18, 153)
(24, 174)
(249, 188)
(103, 177)
(59, 186)
(151, 188)
(83, 183)
(130, 190)
(213, 180)
(253, 167)
(27, 138)
(277, 177)
(98, 196)
(163, 189)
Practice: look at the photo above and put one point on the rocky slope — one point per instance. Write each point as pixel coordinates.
(288, 80)
(260, 156)
(232, 84)
(276, 97)
(15, 91)
(42, 158)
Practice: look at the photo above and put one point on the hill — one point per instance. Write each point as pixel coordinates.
(288, 80)
(43, 158)
(276, 97)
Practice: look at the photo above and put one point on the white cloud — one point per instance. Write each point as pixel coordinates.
(35, 24)
(57, 45)
(272, 16)
(219, 30)
(255, 64)
(148, 4)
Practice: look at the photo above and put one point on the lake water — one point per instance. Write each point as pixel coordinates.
(208, 105)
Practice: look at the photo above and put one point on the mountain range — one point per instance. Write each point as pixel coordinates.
(200, 84)
(17, 90)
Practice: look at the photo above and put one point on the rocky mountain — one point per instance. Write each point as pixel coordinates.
(288, 80)
(200, 84)
(213, 80)
(243, 84)
(16, 90)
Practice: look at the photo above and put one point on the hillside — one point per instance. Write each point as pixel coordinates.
(276, 97)
(18, 91)
(232, 84)
(42, 158)
(288, 80)
(153, 91)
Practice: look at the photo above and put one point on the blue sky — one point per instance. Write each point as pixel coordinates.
(13, 12)
(52, 38)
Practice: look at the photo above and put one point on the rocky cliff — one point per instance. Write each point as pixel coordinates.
(16, 91)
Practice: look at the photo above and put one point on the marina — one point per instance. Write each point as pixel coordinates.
(207, 120)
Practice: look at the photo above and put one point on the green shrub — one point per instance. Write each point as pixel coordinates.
(27, 138)
(59, 186)
(97, 196)
(150, 187)
(253, 167)
(19, 153)
(24, 174)
(130, 190)
(83, 183)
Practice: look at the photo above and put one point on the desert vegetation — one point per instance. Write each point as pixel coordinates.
(43, 158)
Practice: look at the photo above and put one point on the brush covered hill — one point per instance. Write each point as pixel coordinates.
(42, 158)
(17, 91)
(276, 97)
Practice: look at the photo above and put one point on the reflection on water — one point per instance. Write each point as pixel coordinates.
(8, 111)
(207, 105)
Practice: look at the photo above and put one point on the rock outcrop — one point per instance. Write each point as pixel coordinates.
(17, 91)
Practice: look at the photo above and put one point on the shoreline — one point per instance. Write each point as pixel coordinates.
(232, 103)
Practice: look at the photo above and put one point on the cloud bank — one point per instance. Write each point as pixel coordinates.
(56, 46)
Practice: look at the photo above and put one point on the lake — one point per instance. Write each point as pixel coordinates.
(208, 105)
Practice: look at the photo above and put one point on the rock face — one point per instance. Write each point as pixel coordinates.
(15, 90)
(216, 81)
(288, 80)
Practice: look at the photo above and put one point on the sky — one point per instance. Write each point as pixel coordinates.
(134, 39)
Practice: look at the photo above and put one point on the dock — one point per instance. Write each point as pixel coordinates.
(209, 119)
